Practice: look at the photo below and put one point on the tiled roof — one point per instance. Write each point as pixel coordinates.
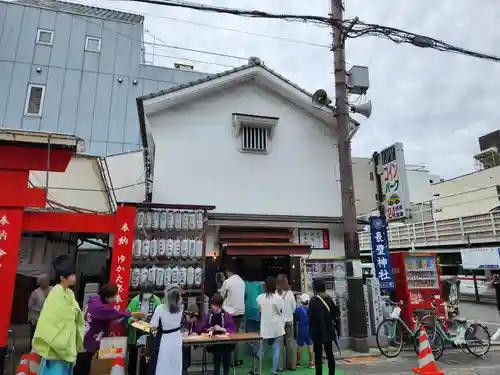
(252, 63)
(83, 10)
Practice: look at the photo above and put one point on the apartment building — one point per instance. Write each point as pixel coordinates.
(76, 69)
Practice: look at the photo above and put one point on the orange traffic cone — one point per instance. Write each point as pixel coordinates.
(34, 363)
(23, 368)
(426, 362)
(118, 366)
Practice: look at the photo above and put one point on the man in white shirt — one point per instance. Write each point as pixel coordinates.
(233, 292)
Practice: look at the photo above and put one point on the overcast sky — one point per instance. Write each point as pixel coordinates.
(436, 103)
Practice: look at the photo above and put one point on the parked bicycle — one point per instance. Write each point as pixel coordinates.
(391, 332)
(469, 336)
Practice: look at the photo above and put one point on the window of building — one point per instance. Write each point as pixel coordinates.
(34, 100)
(498, 192)
(93, 44)
(44, 37)
(372, 177)
(255, 132)
(254, 139)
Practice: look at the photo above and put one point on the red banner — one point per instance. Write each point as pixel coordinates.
(11, 220)
(121, 256)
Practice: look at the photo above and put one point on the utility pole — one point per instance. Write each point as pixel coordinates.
(356, 301)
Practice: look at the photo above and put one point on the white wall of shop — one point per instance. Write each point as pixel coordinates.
(197, 159)
(336, 250)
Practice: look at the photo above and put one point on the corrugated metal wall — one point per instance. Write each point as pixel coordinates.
(83, 94)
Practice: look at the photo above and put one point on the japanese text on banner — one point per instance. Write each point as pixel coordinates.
(121, 270)
(380, 253)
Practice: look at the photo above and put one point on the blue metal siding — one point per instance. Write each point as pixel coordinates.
(107, 61)
(89, 94)
(6, 69)
(60, 43)
(118, 111)
(102, 107)
(27, 36)
(86, 105)
(10, 33)
(3, 15)
(76, 48)
(69, 101)
(17, 95)
(52, 101)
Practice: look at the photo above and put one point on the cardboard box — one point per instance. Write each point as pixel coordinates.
(101, 366)
(113, 347)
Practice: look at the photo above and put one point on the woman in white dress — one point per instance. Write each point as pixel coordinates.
(272, 324)
(167, 321)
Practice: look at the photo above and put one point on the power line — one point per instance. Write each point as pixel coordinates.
(187, 59)
(318, 20)
(259, 35)
(168, 45)
(353, 28)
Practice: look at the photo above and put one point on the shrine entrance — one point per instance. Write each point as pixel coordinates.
(23, 209)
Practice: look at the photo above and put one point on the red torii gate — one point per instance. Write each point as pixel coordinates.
(17, 159)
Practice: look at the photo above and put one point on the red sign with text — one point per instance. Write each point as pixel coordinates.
(121, 256)
(11, 221)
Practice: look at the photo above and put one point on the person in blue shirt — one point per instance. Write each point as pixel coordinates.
(303, 337)
(252, 314)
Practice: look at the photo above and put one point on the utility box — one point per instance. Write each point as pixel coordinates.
(358, 80)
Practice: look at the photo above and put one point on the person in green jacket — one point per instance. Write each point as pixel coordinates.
(59, 332)
(147, 303)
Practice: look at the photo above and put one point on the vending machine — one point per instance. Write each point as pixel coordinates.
(417, 285)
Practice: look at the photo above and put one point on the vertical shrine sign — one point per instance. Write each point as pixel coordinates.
(380, 253)
(11, 221)
(121, 255)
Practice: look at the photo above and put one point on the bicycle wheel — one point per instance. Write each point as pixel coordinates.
(437, 344)
(430, 322)
(390, 337)
(477, 337)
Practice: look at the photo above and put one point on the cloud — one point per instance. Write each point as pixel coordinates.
(436, 103)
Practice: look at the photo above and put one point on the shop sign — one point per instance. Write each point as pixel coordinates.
(392, 170)
(318, 239)
(380, 253)
(481, 258)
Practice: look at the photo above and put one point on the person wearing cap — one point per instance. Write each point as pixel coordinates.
(145, 302)
(59, 332)
(37, 299)
(303, 336)
(167, 319)
(188, 327)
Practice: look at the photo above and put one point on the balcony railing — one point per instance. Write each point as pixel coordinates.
(476, 229)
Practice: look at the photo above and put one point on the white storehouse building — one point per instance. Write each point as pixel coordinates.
(251, 143)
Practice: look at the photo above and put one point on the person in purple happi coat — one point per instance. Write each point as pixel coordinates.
(100, 312)
(218, 322)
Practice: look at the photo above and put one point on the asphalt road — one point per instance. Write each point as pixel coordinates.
(453, 362)
(486, 314)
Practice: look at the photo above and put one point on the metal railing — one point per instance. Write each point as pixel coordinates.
(466, 230)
